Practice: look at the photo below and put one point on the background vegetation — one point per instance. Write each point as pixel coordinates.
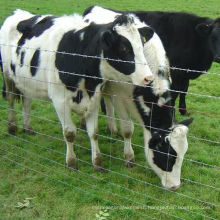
(33, 166)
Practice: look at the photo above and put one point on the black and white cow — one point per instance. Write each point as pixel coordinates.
(191, 42)
(153, 51)
(30, 61)
(165, 141)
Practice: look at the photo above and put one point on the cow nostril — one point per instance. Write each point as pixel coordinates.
(148, 80)
(175, 187)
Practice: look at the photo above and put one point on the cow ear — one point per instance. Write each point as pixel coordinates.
(203, 29)
(146, 33)
(155, 140)
(186, 122)
(107, 39)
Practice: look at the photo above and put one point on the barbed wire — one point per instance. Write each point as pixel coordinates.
(95, 77)
(109, 59)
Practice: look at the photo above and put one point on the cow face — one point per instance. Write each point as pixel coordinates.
(212, 31)
(124, 41)
(165, 153)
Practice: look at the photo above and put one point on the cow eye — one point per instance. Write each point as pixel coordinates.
(124, 49)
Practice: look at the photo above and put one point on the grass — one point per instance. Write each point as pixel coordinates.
(33, 166)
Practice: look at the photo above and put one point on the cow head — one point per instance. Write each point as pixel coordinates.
(212, 32)
(122, 40)
(165, 152)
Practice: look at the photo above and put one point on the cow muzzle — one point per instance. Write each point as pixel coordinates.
(148, 80)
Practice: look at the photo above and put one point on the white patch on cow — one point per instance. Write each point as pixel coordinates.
(81, 36)
(143, 105)
(160, 85)
(101, 15)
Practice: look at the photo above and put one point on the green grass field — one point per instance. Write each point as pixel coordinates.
(33, 166)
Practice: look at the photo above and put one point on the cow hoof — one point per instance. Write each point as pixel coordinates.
(183, 111)
(100, 169)
(130, 163)
(12, 129)
(72, 164)
(29, 131)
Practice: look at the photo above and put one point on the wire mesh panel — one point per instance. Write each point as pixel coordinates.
(33, 162)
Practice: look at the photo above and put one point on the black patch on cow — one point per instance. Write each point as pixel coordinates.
(24, 27)
(35, 62)
(164, 155)
(78, 97)
(13, 68)
(22, 58)
(159, 116)
(29, 28)
(82, 67)
(88, 10)
(121, 50)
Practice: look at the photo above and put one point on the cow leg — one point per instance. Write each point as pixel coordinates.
(182, 101)
(10, 92)
(92, 128)
(110, 115)
(12, 124)
(26, 109)
(69, 131)
(127, 129)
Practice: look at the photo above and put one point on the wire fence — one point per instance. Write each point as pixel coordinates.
(16, 152)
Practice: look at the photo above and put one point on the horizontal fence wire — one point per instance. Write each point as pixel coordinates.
(118, 185)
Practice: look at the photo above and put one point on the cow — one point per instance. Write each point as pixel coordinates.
(68, 61)
(164, 140)
(191, 42)
(153, 51)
